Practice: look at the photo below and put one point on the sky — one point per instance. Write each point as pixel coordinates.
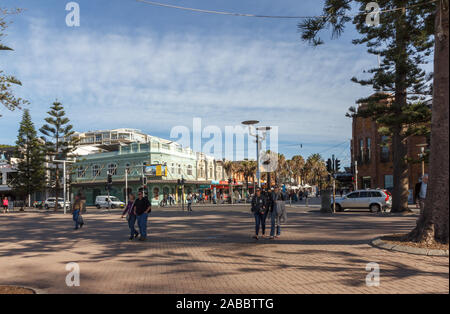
(130, 64)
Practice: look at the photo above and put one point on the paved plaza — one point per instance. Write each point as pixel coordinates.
(211, 251)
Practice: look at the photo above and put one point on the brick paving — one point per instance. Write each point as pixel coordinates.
(211, 251)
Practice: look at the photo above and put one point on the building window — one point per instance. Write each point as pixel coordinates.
(98, 138)
(189, 170)
(80, 172)
(385, 153)
(361, 151)
(388, 181)
(96, 170)
(366, 182)
(368, 149)
(112, 169)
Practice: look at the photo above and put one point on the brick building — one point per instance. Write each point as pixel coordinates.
(374, 160)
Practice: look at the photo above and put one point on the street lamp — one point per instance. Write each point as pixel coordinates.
(64, 178)
(259, 139)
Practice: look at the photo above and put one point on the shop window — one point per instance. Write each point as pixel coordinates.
(112, 169)
(96, 170)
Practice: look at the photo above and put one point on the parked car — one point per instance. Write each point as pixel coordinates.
(373, 200)
(112, 202)
(50, 203)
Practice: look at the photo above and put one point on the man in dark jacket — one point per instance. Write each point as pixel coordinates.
(275, 196)
(259, 210)
(142, 208)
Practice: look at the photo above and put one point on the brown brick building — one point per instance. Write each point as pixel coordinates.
(374, 160)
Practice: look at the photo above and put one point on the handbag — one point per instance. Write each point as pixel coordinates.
(80, 220)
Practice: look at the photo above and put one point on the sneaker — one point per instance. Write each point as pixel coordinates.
(142, 239)
(255, 237)
(272, 237)
(131, 238)
(136, 235)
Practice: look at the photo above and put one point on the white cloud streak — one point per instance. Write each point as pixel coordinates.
(145, 80)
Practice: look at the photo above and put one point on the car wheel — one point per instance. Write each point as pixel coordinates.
(374, 208)
(338, 208)
(113, 206)
(46, 206)
(98, 206)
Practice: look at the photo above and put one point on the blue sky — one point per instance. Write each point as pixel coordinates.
(134, 65)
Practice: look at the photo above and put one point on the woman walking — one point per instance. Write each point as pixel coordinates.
(131, 217)
(259, 210)
(5, 205)
(76, 212)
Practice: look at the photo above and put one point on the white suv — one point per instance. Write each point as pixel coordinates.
(113, 202)
(50, 203)
(374, 200)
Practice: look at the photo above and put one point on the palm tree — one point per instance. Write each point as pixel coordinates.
(228, 167)
(316, 169)
(248, 169)
(297, 164)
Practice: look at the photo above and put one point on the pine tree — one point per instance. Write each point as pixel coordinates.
(7, 97)
(404, 42)
(59, 142)
(29, 150)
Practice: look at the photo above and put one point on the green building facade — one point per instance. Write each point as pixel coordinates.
(126, 165)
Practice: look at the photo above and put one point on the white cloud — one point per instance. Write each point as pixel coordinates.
(153, 82)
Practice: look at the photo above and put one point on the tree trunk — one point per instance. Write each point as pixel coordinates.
(400, 192)
(433, 224)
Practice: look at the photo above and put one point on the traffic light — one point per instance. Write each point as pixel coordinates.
(143, 180)
(109, 182)
(329, 167)
(337, 165)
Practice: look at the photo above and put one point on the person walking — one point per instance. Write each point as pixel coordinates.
(5, 204)
(142, 208)
(189, 202)
(420, 193)
(131, 217)
(76, 212)
(275, 208)
(259, 209)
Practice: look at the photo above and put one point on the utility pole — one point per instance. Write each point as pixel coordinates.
(126, 186)
(356, 175)
(334, 184)
(65, 181)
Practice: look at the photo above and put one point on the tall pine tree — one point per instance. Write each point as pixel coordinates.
(30, 168)
(404, 42)
(59, 142)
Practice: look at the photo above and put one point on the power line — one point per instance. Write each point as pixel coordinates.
(278, 16)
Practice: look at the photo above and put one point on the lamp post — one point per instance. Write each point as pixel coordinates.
(65, 180)
(259, 139)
